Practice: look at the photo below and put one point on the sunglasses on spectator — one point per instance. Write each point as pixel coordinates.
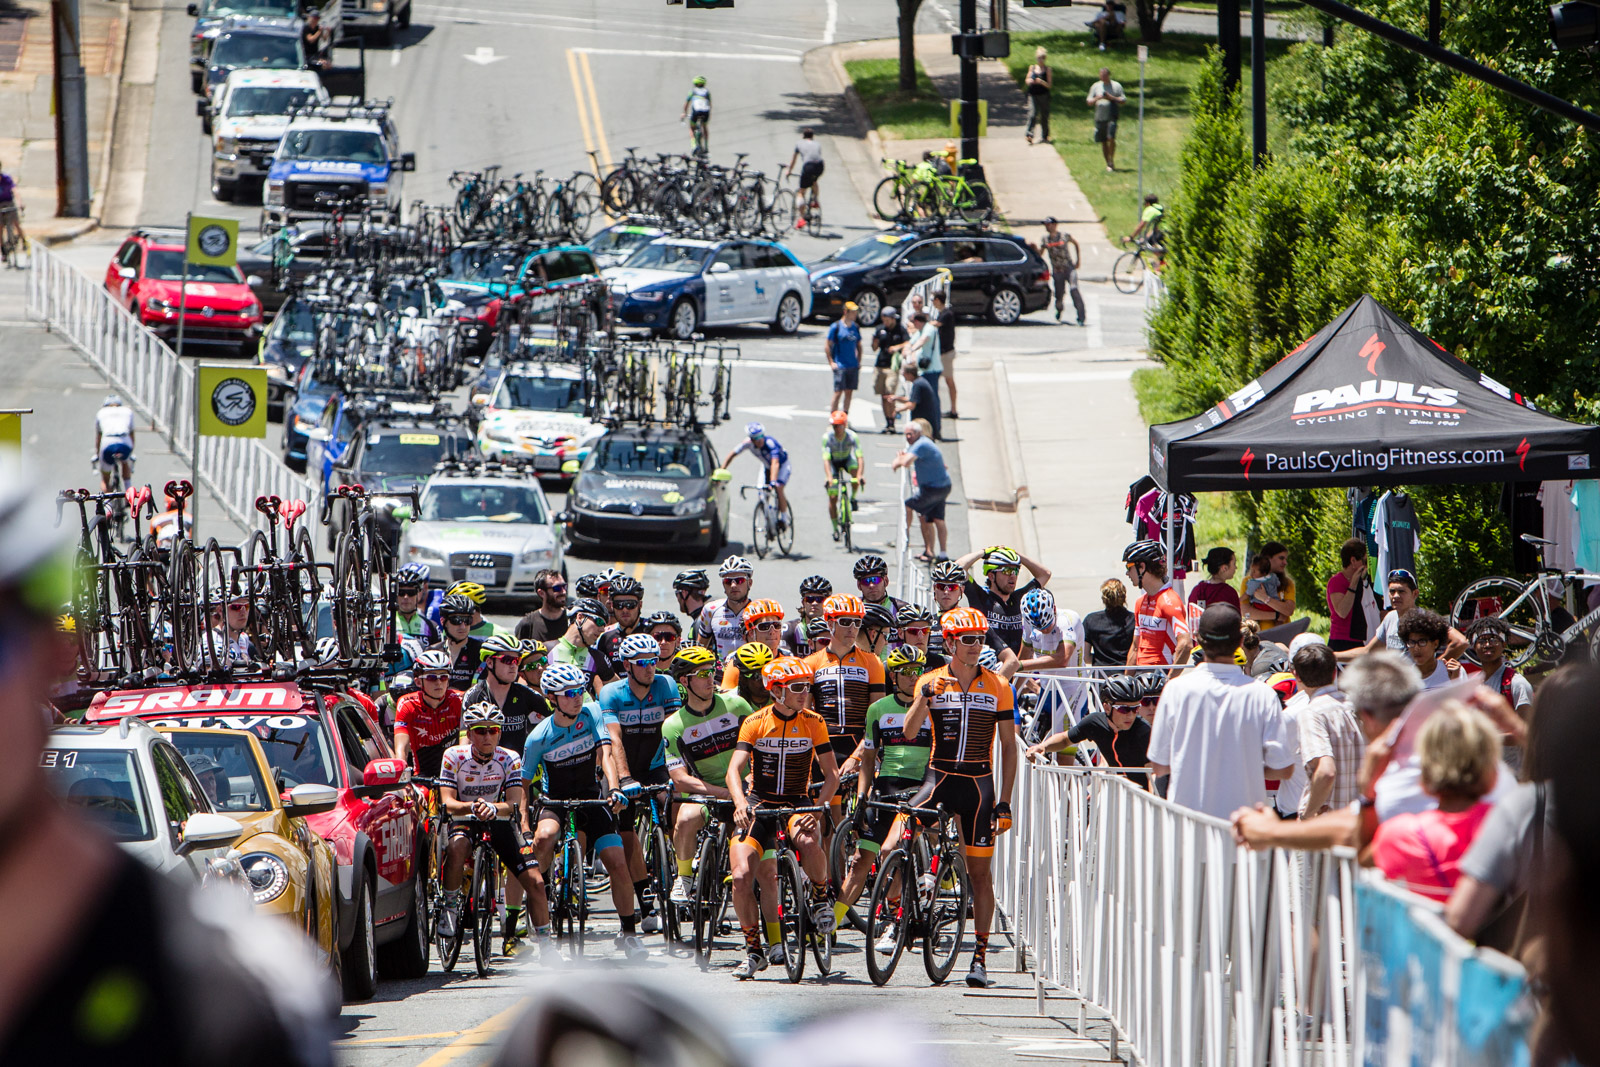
(846, 621)
(769, 624)
(1403, 576)
(561, 588)
(970, 639)
(437, 676)
(502, 658)
(645, 661)
(624, 604)
(876, 579)
(483, 731)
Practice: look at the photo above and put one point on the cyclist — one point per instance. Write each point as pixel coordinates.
(1148, 232)
(535, 658)
(999, 597)
(697, 110)
(916, 631)
(777, 746)
(576, 646)
(845, 679)
(476, 597)
(813, 591)
(113, 441)
(808, 153)
(872, 580)
(1162, 619)
(410, 586)
(633, 708)
(749, 660)
(458, 644)
(818, 634)
(230, 628)
(520, 707)
(841, 453)
(877, 623)
(668, 632)
(968, 706)
(481, 788)
(699, 739)
(568, 751)
(627, 596)
(890, 763)
(721, 625)
(426, 722)
(949, 581)
(763, 624)
(1120, 732)
(690, 587)
(774, 462)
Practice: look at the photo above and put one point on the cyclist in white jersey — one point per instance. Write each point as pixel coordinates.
(720, 626)
(113, 441)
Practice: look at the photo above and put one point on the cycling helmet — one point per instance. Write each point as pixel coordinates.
(608, 579)
(753, 656)
(532, 648)
(483, 713)
(67, 624)
(590, 608)
(838, 418)
(1151, 683)
(664, 618)
(816, 585)
(692, 581)
(1039, 608)
(988, 659)
(960, 621)
(842, 604)
(1122, 689)
(911, 614)
(947, 572)
(734, 566)
(817, 627)
(754, 429)
(471, 590)
(700, 81)
(693, 658)
(867, 566)
(412, 574)
(903, 656)
(587, 586)
(402, 684)
(328, 651)
(112, 401)
(785, 670)
(1146, 551)
(997, 556)
(638, 646)
(876, 616)
(433, 660)
(454, 604)
(499, 645)
(623, 585)
(562, 678)
(761, 609)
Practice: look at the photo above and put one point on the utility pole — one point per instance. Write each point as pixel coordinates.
(72, 118)
(1258, 79)
(969, 82)
(1228, 41)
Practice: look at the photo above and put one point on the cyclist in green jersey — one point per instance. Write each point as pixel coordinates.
(889, 763)
(410, 591)
(699, 737)
(481, 627)
(841, 451)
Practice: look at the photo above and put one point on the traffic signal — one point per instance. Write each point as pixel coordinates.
(1575, 25)
(707, 4)
(1046, 3)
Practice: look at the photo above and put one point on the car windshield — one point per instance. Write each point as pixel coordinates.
(295, 745)
(538, 393)
(410, 452)
(261, 51)
(356, 146)
(620, 240)
(265, 100)
(104, 785)
(669, 459)
(168, 267)
(295, 323)
(664, 255)
(236, 785)
(482, 264)
(482, 503)
(217, 9)
(870, 251)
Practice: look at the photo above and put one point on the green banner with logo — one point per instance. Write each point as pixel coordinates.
(232, 400)
(11, 429)
(213, 241)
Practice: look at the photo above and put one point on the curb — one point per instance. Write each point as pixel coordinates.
(1011, 453)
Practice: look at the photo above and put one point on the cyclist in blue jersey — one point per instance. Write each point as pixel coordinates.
(634, 708)
(774, 461)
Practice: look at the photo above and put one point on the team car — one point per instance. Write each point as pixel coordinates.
(246, 120)
(541, 411)
(318, 734)
(336, 156)
(992, 274)
(341, 421)
(487, 523)
(209, 16)
(650, 487)
(289, 869)
(147, 276)
(538, 279)
(677, 285)
(613, 245)
(391, 456)
(253, 42)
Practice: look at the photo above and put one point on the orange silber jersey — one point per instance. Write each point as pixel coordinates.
(964, 720)
(844, 688)
(781, 752)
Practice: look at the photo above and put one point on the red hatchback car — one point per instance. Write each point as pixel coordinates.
(324, 736)
(146, 277)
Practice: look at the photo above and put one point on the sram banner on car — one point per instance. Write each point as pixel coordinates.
(183, 698)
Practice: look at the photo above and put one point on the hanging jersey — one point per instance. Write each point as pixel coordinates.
(475, 779)
(844, 687)
(703, 744)
(640, 718)
(964, 720)
(568, 756)
(722, 624)
(1162, 622)
(781, 752)
(897, 756)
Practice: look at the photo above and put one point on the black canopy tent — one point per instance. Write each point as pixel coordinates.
(1369, 401)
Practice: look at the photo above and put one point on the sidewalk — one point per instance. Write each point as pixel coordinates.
(27, 121)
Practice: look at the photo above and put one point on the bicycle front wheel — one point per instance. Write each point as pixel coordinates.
(666, 869)
(792, 917)
(945, 919)
(887, 197)
(1127, 273)
(1520, 605)
(974, 202)
(483, 872)
(761, 532)
(884, 922)
(707, 885)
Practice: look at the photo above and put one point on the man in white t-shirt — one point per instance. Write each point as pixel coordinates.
(113, 441)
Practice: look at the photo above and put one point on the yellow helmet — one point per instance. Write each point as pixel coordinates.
(67, 624)
(471, 590)
(752, 657)
(691, 658)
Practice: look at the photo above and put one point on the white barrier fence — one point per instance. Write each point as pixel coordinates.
(156, 383)
(912, 582)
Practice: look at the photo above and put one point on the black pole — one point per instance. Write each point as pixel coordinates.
(1228, 41)
(969, 84)
(1537, 97)
(1258, 79)
(1327, 34)
(1433, 22)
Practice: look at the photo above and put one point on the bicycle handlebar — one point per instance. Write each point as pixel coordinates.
(551, 802)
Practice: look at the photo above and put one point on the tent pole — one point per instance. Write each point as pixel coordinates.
(1171, 549)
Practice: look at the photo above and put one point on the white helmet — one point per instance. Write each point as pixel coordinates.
(482, 713)
(735, 565)
(639, 646)
(433, 660)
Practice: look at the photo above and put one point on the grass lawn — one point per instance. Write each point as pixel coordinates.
(898, 114)
(1075, 64)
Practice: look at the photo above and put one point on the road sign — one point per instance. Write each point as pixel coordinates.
(213, 241)
(1144, 52)
(232, 400)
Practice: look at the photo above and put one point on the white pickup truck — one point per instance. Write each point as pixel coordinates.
(247, 121)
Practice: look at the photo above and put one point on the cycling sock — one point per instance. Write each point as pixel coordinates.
(686, 868)
(980, 952)
(774, 934)
(752, 940)
(629, 924)
(839, 910)
(821, 892)
(512, 915)
(641, 889)
(542, 932)
(452, 897)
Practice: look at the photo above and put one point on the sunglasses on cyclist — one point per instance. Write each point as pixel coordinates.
(737, 579)
(846, 620)
(483, 731)
(408, 590)
(812, 599)
(535, 664)
(704, 672)
(769, 624)
(1012, 571)
(435, 676)
(914, 631)
(646, 661)
(666, 635)
(970, 639)
(624, 604)
(451, 619)
(798, 687)
(575, 691)
(513, 660)
(947, 587)
(876, 579)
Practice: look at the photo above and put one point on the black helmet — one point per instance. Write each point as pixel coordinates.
(664, 618)
(817, 627)
(454, 604)
(816, 585)
(914, 613)
(692, 581)
(626, 586)
(588, 606)
(867, 566)
(947, 571)
(876, 615)
(1151, 683)
(1144, 552)
(1123, 689)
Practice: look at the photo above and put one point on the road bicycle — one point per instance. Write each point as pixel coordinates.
(1128, 272)
(807, 211)
(12, 246)
(363, 573)
(660, 858)
(891, 197)
(921, 890)
(769, 526)
(796, 932)
(712, 896)
(842, 835)
(843, 491)
(944, 195)
(565, 881)
(119, 602)
(287, 585)
(477, 908)
(1525, 607)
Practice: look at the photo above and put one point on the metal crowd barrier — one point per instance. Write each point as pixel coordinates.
(912, 581)
(152, 379)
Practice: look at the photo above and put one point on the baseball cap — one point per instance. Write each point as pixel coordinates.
(891, 310)
(1050, 219)
(1302, 640)
(851, 305)
(1218, 624)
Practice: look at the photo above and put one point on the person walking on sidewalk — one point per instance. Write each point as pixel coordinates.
(842, 346)
(1039, 84)
(888, 341)
(1063, 275)
(947, 349)
(1106, 97)
(932, 487)
(10, 217)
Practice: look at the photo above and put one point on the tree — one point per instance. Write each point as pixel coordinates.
(1151, 14)
(908, 45)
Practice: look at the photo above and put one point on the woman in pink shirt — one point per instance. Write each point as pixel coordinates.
(1459, 750)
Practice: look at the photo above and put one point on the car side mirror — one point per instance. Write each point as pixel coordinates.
(200, 107)
(126, 272)
(252, 280)
(722, 474)
(720, 268)
(311, 799)
(480, 400)
(571, 466)
(208, 830)
(563, 517)
(383, 776)
(408, 161)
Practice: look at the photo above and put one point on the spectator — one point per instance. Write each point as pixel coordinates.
(1459, 749)
(10, 218)
(1119, 732)
(1268, 591)
(1350, 602)
(1063, 274)
(999, 597)
(1402, 589)
(1110, 630)
(1038, 84)
(1221, 565)
(920, 399)
(908, 312)
(549, 620)
(1218, 731)
(1106, 97)
(1109, 22)
(1424, 633)
(316, 39)
(1330, 737)
(932, 489)
(1488, 638)
(842, 346)
(888, 341)
(947, 351)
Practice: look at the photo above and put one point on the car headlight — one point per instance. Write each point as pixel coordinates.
(159, 305)
(272, 192)
(267, 874)
(685, 508)
(227, 145)
(584, 501)
(427, 556)
(652, 296)
(276, 372)
(250, 309)
(302, 425)
(378, 190)
(828, 284)
(536, 557)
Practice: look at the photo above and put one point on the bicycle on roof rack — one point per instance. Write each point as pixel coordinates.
(287, 584)
(363, 575)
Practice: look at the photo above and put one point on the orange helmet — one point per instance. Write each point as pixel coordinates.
(761, 609)
(838, 418)
(960, 621)
(842, 604)
(785, 670)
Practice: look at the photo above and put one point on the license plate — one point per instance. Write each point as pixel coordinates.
(481, 575)
(547, 463)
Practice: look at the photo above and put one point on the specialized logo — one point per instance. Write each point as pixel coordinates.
(1245, 460)
(1370, 352)
(1522, 455)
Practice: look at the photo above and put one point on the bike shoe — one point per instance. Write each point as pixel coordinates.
(447, 922)
(978, 978)
(886, 942)
(822, 917)
(682, 890)
(775, 955)
(650, 923)
(632, 947)
(752, 965)
(510, 945)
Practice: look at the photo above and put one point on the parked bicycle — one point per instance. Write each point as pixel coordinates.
(1526, 606)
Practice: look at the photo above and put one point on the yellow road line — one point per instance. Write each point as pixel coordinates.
(477, 1037)
(400, 1039)
(577, 93)
(638, 571)
(594, 108)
